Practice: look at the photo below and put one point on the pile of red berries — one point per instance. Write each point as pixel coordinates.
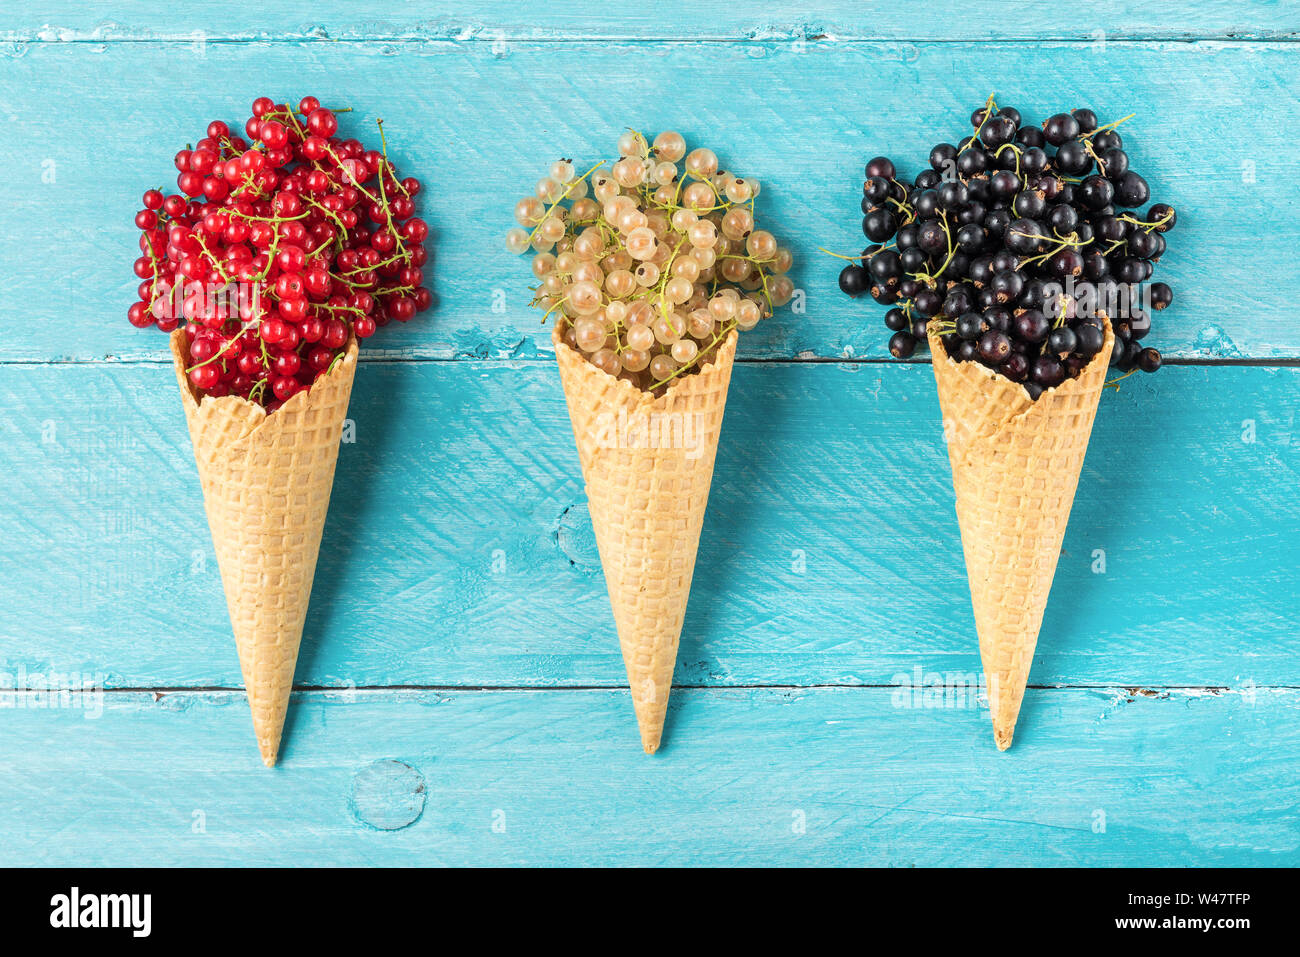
(277, 250)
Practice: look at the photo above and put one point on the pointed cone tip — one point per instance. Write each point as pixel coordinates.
(270, 753)
(650, 737)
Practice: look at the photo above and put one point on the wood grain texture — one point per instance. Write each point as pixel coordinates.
(459, 551)
(799, 776)
(478, 124)
(561, 20)
(1161, 726)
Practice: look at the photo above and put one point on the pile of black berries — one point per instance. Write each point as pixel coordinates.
(1017, 241)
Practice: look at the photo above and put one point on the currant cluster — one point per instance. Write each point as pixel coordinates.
(649, 265)
(277, 250)
(1016, 243)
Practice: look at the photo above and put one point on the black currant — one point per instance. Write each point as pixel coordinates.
(1060, 128)
(1115, 164)
(971, 162)
(926, 203)
(942, 157)
(1025, 236)
(1028, 136)
(1062, 219)
(1132, 190)
(1033, 161)
(881, 166)
(998, 130)
(885, 295)
(1066, 262)
(931, 237)
(1095, 266)
(1089, 339)
(953, 195)
(927, 302)
(885, 265)
(1072, 159)
(1086, 119)
(1163, 214)
(1095, 192)
(875, 190)
(912, 259)
(1062, 341)
(971, 238)
(1048, 372)
(879, 224)
(853, 280)
(1110, 229)
(1015, 367)
(1029, 204)
(1004, 184)
(1143, 244)
(1107, 140)
(902, 345)
(970, 326)
(1006, 286)
(1160, 295)
(1030, 325)
(994, 347)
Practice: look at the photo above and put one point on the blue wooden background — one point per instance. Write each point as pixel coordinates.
(462, 694)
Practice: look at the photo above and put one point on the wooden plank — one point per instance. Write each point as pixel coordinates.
(810, 776)
(477, 123)
(459, 550)
(491, 20)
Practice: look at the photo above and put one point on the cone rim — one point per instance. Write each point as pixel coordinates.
(179, 343)
(637, 396)
(939, 355)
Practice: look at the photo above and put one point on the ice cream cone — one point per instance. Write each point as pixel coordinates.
(647, 463)
(266, 488)
(1015, 468)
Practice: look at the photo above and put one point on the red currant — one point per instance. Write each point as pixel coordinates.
(273, 135)
(139, 315)
(204, 377)
(322, 122)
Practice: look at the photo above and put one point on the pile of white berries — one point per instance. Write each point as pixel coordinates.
(648, 265)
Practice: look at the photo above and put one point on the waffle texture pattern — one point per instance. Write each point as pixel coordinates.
(266, 488)
(1015, 468)
(647, 463)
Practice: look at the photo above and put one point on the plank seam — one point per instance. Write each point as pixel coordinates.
(1142, 690)
(490, 36)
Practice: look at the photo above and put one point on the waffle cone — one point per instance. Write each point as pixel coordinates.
(1015, 468)
(647, 463)
(266, 488)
